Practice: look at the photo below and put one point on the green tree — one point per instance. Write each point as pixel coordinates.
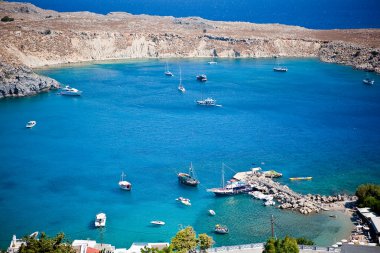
(184, 241)
(7, 19)
(155, 250)
(205, 242)
(369, 196)
(45, 244)
(287, 245)
(304, 241)
(269, 246)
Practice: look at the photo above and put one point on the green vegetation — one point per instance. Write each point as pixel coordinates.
(205, 242)
(155, 250)
(45, 244)
(287, 245)
(369, 196)
(7, 19)
(304, 241)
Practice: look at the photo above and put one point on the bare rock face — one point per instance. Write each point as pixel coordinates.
(22, 81)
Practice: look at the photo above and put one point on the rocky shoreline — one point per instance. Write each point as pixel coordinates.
(38, 38)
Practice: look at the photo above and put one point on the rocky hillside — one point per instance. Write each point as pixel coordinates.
(39, 37)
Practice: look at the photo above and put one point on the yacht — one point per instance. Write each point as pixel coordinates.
(124, 185)
(31, 124)
(368, 81)
(69, 91)
(181, 88)
(100, 220)
(207, 102)
(188, 178)
(221, 229)
(202, 78)
(280, 69)
(157, 222)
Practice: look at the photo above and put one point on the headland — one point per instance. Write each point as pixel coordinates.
(38, 38)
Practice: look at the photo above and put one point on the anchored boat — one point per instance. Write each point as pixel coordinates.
(300, 178)
(188, 178)
(69, 91)
(100, 220)
(124, 185)
(201, 78)
(368, 81)
(31, 124)
(184, 201)
(157, 222)
(221, 229)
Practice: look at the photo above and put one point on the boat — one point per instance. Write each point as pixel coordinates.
(184, 201)
(272, 174)
(233, 187)
(124, 185)
(34, 234)
(70, 91)
(368, 81)
(31, 124)
(201, 78)
(181, 88)
(157, 222)
(207, 102)
(221, 229)
(212, 62)
(211, 212)
(100, 220)
(365, 227)
(280, 69)
(300, 178)
(269, 203)
(188, 178)
(167, 72)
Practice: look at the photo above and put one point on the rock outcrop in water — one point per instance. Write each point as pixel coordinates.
(39, 38)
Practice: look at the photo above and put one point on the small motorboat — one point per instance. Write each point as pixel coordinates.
(69, 91)
(100, 220)
(31, 124)
(34, 235)
(221, 229)
(201, 78)
(269, 203)
(184, 201)
(157, 222)
(300, 178)
(212, 62)
(168, 73)
(211, 212)
(181, 88)
(368, 81)
(207, 102)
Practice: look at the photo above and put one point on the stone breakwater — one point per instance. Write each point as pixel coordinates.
(40, 37)
(288, 199)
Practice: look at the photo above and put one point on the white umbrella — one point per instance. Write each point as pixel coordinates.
(344, 240)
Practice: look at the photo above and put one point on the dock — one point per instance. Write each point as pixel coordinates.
(286, 197)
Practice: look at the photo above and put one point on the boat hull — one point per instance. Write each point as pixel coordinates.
(186, 179)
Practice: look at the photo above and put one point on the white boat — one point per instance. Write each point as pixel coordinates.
(184, 201)
(368, 81)
(157, 222)
(207, 102)
(257, 194)
(31, 124)
(181, 88)
(34, 235)
(211, 212)
(212, 62)
(70, 91)
(100, 220)
(280, 69)
(167, 72)
(125, 185)
(365, 227)
(269, 203)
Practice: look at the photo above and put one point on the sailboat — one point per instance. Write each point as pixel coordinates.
(124, 185)
(279, 68)
(212, 62)
(181, 88)
(167, 72)
(233, 187)
(188, 178)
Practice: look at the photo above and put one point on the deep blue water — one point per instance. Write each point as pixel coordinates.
(316, 120)
(322, 14)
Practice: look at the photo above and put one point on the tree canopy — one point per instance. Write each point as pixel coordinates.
(185, 241)
(287, 245)
(46, 244)
(369, 196)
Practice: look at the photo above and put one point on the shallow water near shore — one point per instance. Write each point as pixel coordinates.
(315, 120)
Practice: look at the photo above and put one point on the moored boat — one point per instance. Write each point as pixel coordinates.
(188, 178)
(100, 220)
(368, 81)
(300, 178)
(221, 229)
(211, 212)
(201, 78)
(269, 203)
(181, 88)
(184, 201)
(124, 185)
(207, 102)
(167, 72)
(70, 91)
(280, 69)
(31, 124)
(157, 222)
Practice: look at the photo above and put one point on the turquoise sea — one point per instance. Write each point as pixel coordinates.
(315, 120)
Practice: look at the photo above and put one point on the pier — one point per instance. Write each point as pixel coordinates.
(286, 197)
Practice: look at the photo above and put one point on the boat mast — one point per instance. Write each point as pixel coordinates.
(180, 76)
(222, 175)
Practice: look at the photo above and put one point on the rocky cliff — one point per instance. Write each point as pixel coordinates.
(40, 37)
